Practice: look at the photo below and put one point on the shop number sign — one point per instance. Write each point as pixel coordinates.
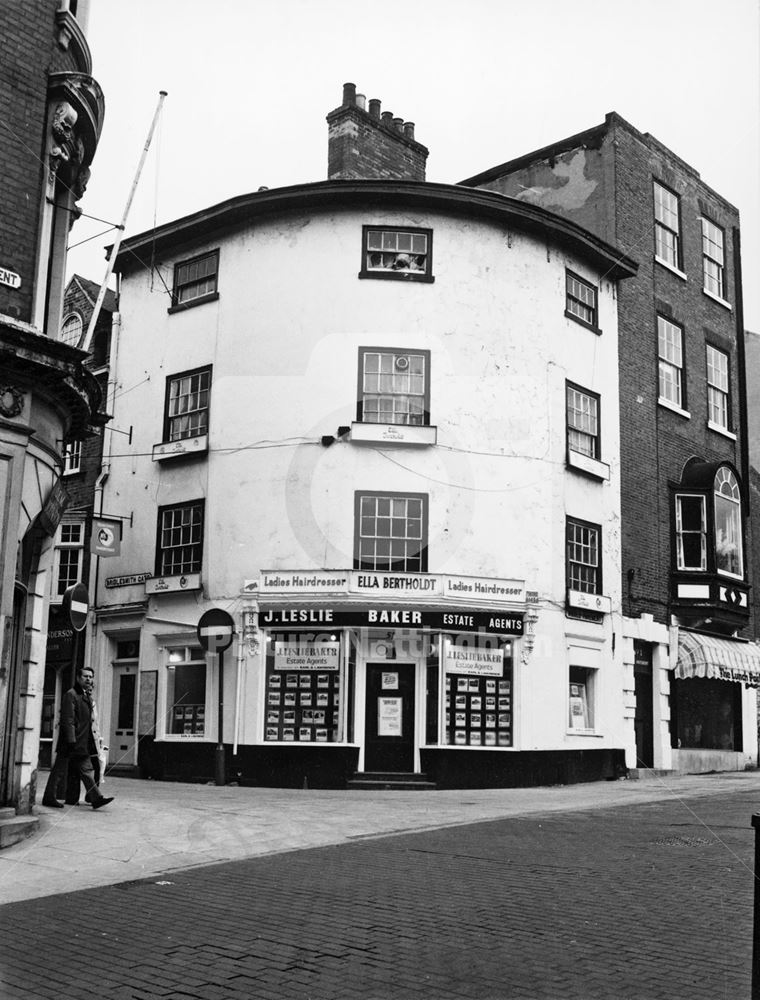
(389, 717)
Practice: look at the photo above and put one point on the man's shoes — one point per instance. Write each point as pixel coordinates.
(102, 802)
(52, 803)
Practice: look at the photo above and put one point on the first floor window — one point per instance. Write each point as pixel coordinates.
(713, 259)
(670, 346)
(69, 555)
(580, 299)
(717, 387)
(666, 225)
(582, 421)
(691, 532)
(195, 279)
(186, 691)
(187, 404)
(71, 331)
(729, 557)
(580, 698)
(583, 557)
(397, 253)
(391, 532)
(72, 458)
(394, 387)
(180, 539)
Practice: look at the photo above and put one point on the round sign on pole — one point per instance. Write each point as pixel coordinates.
(76, 603)
(215, 630)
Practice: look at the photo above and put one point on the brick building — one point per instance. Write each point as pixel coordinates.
(684, 460)
(52, 112)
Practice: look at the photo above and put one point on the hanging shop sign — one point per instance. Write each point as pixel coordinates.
(388, 616)
(473, 661)
(306, 656)
(105, 540)
(56, 503)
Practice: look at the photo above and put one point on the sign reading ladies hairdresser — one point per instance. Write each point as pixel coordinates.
(306, 655)
(472, 661)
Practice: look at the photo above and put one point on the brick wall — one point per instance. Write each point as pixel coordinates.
(30, 52)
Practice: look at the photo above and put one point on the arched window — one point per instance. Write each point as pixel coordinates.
(728, 524)
(71, 331)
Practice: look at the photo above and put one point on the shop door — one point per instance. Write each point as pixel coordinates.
(644, 718)
(389, 738)
(123, 716)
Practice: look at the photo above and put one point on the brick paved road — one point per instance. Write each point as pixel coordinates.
(634, 903)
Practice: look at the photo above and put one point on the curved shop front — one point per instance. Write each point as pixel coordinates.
(382, 679)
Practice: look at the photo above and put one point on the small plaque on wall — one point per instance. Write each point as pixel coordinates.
(146, 722)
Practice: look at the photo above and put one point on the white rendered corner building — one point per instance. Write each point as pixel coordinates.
(376, 420)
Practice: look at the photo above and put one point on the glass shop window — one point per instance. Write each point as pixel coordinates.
(478, 691)
(303, 688)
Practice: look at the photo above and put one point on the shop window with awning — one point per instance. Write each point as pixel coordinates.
(708, 656)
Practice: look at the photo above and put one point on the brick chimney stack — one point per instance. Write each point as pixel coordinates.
(369, 145)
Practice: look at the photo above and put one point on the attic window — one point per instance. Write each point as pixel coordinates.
(401, 254)
(195, 281)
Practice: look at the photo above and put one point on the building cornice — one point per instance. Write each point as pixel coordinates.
(325, 196)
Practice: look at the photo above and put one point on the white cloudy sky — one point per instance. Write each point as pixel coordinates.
(250, 82)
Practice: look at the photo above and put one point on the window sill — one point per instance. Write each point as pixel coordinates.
(718, 299)
(670, 267)
(184, 738)
(598, 603)
(180, 449)
(398, 276)
(401, 434)
(211, 297)
(723, 431)
(169, 584)
(589, 466)
(582, 322)
(674, 408)
(584, 732)
(72, 472)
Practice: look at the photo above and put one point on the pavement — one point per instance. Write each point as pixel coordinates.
(625, 890)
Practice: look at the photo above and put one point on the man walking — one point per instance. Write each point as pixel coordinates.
(77, 742)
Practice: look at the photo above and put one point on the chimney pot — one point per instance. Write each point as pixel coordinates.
(374, 107)
(349, 93)
(361, 102)
(398, 124)
(387, 117)
(409, 130)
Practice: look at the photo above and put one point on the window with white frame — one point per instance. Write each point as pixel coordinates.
(713, 259)
(196, 280)
(391, 532)
(394, 386)
(187, 691)
(187, 404)
(670, 347)
(582, 421)
(397, 253)
(72, 458)
(580, 300)
(581, 698)
(179, 547)
(71, 329)
(69, 556)
(729, 556)
(667, 227)
(584, 566)
(691, 532)
(717, 387)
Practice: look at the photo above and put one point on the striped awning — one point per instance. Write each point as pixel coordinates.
(723, 659)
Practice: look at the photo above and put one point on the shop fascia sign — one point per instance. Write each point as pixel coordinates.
(388, 616)
(465, 589)
(9, 278)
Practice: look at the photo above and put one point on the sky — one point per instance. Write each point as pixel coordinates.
(250, 83)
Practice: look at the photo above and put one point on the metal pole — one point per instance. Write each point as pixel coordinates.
(219, 764)
(756, 914)
(85, 345)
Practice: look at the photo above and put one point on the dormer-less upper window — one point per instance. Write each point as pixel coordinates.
(667, 228)
(404, 254)
(195, 281)
(729, 557)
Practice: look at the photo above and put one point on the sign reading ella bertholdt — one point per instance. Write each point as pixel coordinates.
(306, 655)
